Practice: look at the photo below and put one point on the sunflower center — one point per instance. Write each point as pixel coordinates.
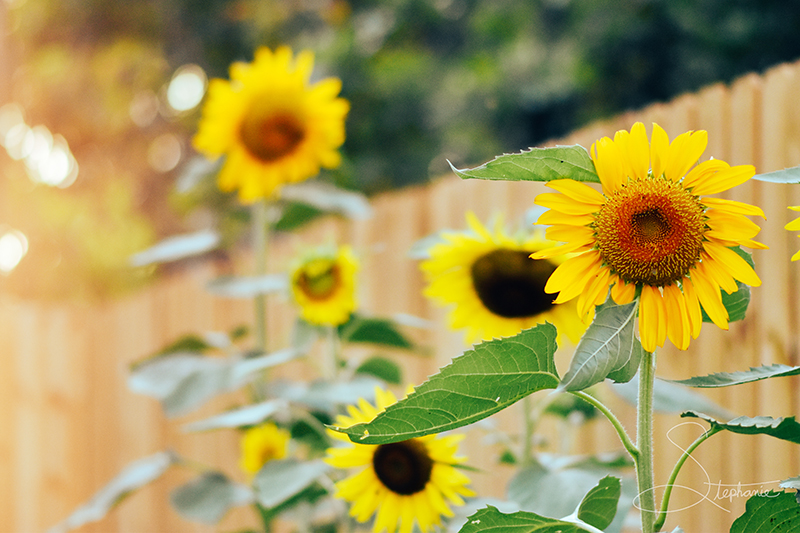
(403, 467)
(319, 279)
(511, 284)
(651, 231)
(271, 137)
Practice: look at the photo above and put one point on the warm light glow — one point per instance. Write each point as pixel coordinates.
(10, 116)
(164, 152)
(13, 247)
(144, 108)
(187, 87)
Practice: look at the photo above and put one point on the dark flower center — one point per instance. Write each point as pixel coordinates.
(510, 284)
(319, 279)
(403, 467)
(651, 231)
(272, 137)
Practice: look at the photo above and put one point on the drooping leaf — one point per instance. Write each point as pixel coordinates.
(295, 215)
(479, 383)
(769, 512)
(599, 506)
(735, 303)
(671, 398)
(207, 498)
(326, 396)
(247, 286)
(537, 164)
(607, 347)
(787, 175)
(184, 381)
(134, 476)
(277, 481)
(177, 247)
(780, 428)
(382, 368)
(791, 483)
(360, 329)
(726, 379)
(329, 198)
(245, 416)
(568, 406)
(490, 519)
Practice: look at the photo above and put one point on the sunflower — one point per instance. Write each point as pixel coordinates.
(403, 481)
(323, 285)
(273, 126)
(794, 225)
(495, 288)
(650, 235)
(261, 444)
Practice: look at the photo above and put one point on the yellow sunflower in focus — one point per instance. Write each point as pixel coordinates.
(650, 233)
(323, 285)
(403, 481)
(794, 225)
(495, 288)
(261, 444)
(271, 124)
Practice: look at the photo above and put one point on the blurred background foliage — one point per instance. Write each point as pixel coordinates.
(429, 80)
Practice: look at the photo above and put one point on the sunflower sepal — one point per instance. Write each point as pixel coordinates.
(609, 348)
(737, 302)
(537, 164)
(477, 384)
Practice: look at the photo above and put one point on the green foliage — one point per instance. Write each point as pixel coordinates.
(519, 522)
(609, 348)
(672, 398)
(770, 512)
(279, 480)
(736, 303)
(780, 428)
(248, 415)
(380, 331)
(479, 383)
(537, 164)
(382, 368)
(727, 379)
(787, 175)
(600, 504)
(208, 497)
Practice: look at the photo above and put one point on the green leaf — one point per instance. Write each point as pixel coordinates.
(780, 428)
(607, 347)
(247, 286)
(245, 416)
(735, 303)
(328, 198)
(479, 383)
(382, 368)
(277, 481)
(295, 215)
(568, 405)
(770, 512)
(791, 483)
(726, 379)
(207, 498)
(787, 175)
(671, 398)
(379, 331)
(133, 477)
(490, 519)
(177, 247)
(537, 164)
(599, 506)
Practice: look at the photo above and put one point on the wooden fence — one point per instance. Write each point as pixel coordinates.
(69, 424)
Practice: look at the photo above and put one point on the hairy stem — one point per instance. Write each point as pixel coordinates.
(630, 447)
(644, 442)
(259, 221)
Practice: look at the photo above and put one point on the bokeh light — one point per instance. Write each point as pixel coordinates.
(187, 87)
(13, 247)
(164, 152)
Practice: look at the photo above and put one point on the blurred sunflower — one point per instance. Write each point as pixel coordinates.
(403, 481)
(273, 126)
(651, 234)
(261, 444)
(794, 225)
(495, 289)
(323, 285)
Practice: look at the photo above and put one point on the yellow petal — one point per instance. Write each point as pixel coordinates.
(551, 217)
(595, 293)
(652, 322)
(565, 279)
(638, 151)
(724, 179)
(692, 307)
(563, 233)
(718, 274)
(709, 296)
(564, 204)
(659, 148)
(577, 191)
(794, 225)
(609, 165)
(733, 263)
(678, 328)
(730, 227)
(684, 152)
(622, 292)
(755, 245)
(476, 226)
(796, 256)
(734, 207)
(560, 250)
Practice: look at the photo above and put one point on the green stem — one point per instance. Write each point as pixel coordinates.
(644, 441)
(528, 427)
(259, 216)
(266, 518)
(330, 365)
(630, 447)
(662, 515)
